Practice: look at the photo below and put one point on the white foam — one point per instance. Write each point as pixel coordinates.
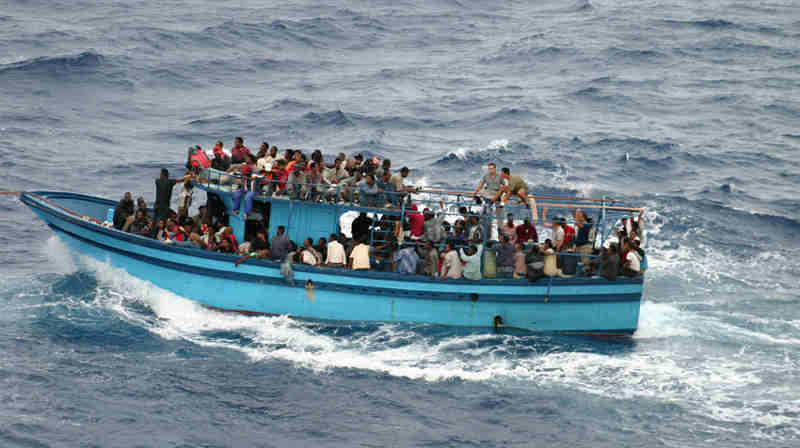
(59, 255)
(661, 320)
(708, 386)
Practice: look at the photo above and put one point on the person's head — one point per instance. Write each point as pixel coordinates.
(203, 210)
(288, 154)
(626, 244)
(308, 242)
(428, 245)
(492, 168)
(370, 179)
(219, 145)
(527, 222)
(127, 197)
(316, 156)
(510, 217)
(387, 164)
(404, 171)
(140, 215)
(238, 142)
(548, 243)
(162, 224)
(504, 239)
(264, 147)
(297, 156)
(261, 235)
(333, 237)
(359, 159)
(280, 230)
(164, 173)
(448, 246)
(506, 173)
(322, 241)
(338, 162)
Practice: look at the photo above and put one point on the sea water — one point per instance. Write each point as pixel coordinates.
(686, 108)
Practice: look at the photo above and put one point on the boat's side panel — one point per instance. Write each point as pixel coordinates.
(262, 289)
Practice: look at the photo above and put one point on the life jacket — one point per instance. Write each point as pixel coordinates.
(199, 159)
(569, 234)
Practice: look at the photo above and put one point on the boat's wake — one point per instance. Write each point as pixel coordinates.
(660, 363)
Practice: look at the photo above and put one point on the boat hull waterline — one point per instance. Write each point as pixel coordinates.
(588, 306)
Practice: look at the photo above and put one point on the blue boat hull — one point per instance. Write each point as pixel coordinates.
(593, 306)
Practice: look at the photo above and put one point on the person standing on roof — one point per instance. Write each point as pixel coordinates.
(491, 184)
(517, 187)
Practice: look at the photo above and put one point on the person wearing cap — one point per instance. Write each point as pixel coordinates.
(221, 161)
(433, 223)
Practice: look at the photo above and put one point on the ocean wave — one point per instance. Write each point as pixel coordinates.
(634, 55)
(630, 144)
(80, 63)
(707, 23)
(529, 55)
(335, 118)
(495, 152)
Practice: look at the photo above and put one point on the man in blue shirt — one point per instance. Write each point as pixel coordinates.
(368, 192)
(406, 260)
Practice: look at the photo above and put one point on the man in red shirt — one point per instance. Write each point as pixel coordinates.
(239, 151)
(527, 232)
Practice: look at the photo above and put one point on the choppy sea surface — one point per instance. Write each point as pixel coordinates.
(687, 108)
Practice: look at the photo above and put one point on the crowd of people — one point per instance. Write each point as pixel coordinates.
(416, 242)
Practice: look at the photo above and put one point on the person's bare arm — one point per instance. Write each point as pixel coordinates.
(480, 185)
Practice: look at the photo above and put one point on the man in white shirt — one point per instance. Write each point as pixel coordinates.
(631, 265)
(359, 257)
(452, 266)
(336, 257)
(265, 163)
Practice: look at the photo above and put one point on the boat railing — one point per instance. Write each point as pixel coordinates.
(606, 212)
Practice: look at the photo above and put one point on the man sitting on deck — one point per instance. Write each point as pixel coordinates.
(123, 211)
